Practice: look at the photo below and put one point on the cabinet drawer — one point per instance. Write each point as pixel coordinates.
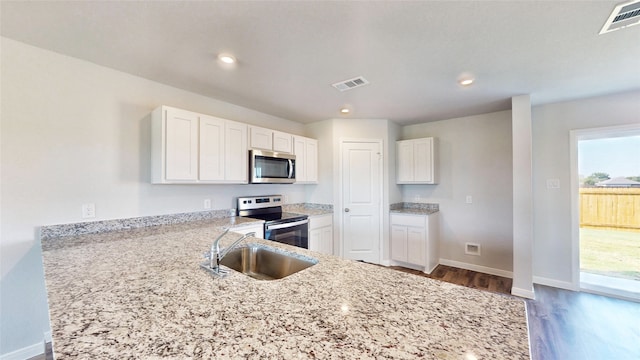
(319, 221)
(408, 220)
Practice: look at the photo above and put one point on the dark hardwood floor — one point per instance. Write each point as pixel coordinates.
(466, 278)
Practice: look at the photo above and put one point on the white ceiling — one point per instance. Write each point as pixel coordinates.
(290, 53)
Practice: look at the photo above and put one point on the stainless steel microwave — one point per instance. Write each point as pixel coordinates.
(268, 167)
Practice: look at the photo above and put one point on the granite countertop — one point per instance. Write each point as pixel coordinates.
(141, 294)
(414, 208)
(309, 209)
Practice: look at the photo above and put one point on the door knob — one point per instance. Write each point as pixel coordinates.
(346, 210)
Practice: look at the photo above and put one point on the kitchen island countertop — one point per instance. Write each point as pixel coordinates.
(142, 294)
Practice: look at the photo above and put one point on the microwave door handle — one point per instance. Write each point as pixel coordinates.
(290, 169)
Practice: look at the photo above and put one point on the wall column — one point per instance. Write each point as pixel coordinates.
(522, 197)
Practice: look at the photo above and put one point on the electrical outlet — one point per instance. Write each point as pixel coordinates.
(207, 204)
(88, 211)
(469, 199)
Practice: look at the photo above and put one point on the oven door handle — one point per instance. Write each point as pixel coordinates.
(286, 225)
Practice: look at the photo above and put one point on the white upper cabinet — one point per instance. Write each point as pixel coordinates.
(306, 151)
(282, 142)
(260, 138)
(188, 147)
(267, 139)
(212, 151)
(236, 152)
(174, 146)
(416, 161)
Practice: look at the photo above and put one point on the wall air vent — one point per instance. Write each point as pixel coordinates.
(351, 83)
(623, 15)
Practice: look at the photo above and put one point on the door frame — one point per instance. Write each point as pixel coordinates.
(340, 201)
(576, 136)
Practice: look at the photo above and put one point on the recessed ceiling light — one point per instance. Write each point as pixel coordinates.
(345, 110)
(466, 82)
(227, 59)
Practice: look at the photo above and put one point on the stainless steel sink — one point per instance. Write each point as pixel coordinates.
(266, 263)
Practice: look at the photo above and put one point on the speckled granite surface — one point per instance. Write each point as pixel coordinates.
(95, 227)
(414, 208)
(308, 209)
(141, 294)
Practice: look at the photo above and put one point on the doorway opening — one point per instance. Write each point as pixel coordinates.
(608, 206)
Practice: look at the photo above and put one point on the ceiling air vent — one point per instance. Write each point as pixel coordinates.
(624, 15)
(350, 84)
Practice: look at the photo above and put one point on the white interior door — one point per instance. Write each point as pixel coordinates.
(361, 200)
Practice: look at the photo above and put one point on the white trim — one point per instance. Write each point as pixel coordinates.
(574, 137)
(529, 294)
(478, 268)
(567, 285)
(609, 292)
(24, 353)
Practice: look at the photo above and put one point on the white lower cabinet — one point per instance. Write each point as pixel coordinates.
(258, 229)
(414, 240)
(321, 233)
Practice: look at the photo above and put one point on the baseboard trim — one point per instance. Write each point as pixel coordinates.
(24, 353)
(554, 283)
(478, 268)
(529, 294)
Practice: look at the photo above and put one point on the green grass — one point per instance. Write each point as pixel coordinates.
(610, 252)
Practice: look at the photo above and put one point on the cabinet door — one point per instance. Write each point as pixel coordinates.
(260, 138)
(405, 159)
(181, 145)
(423, 160)
(315, 240)
(212, 148)
(282, 142)
(300, 150)
(311, 160)
(399, 243)
(416, 238)
(326, 239)
(236, 152)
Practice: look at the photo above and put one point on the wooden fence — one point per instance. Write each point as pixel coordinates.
(610, 208)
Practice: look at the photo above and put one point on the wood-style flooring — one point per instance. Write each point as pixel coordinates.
(567, 324)
(468, 278)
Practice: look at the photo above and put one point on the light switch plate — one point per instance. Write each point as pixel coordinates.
(553, 183)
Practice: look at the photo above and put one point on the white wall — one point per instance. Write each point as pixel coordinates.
(474, 156)
(552, 207)
(74, 133)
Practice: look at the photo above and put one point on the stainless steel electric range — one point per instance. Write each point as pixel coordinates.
(283, 227)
